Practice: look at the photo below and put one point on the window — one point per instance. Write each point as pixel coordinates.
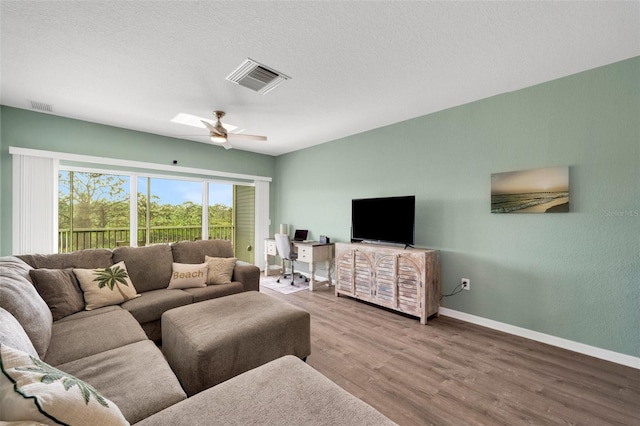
(37, 198)
(221, 211)
(93, 210)
(169, 210)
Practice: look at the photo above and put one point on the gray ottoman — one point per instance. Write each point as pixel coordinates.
(212, 341)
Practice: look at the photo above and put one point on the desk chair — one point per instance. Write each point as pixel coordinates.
(283, 245)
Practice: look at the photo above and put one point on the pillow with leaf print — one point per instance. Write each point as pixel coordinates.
(106, 286)
(33, 390)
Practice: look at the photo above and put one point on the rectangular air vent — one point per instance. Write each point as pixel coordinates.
(257, 77)
(41, 106)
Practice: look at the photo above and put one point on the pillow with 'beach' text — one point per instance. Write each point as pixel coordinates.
(188, 275)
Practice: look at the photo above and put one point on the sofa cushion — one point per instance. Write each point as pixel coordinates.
(284, 392)
(149, 267)
(220, 269)
(84, 314)
(106, 286)
(214, 291)
(33, 390)
(136, 377)
(87, 259)
(20, 298)
(152, 304)
(195, 251)
(189, 275)
(60, 290)
(79, 338)
(12, 334)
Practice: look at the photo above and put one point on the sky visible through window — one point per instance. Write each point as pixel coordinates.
(176, 192)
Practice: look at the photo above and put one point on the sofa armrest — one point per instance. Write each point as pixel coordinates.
(248, 275)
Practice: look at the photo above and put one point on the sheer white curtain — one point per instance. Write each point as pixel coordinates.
(262, 220)
(35, 206)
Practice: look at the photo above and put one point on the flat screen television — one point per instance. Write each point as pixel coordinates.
(389, 219)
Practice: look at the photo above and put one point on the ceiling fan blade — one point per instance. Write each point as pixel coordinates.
(226, 145)
(240, 136)
(211, 127)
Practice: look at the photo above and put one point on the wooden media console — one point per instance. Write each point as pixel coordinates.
(405, 280)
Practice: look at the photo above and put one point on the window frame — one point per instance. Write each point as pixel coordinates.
(133, 193)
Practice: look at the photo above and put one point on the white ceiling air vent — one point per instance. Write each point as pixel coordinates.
(41, 106)
(257, 77)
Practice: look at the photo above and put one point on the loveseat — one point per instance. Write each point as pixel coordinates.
(107, 356)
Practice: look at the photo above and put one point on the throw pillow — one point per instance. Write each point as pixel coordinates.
(220, 269)
(33, 390)
(106, 286)
(186, 275)
(60, 290)
(20, 298)
(12, 334)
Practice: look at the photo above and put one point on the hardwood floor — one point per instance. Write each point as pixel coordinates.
(450, 372)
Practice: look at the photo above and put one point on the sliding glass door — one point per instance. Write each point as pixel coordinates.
(94, 211)
(169, 210)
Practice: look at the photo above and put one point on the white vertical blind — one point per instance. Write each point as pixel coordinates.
(133, 210)
(262, 220)
(35, 207)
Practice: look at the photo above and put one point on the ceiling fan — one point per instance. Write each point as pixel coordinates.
(218, 134)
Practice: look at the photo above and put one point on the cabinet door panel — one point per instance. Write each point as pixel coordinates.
(409, 283)
(344, 272)
(363, 275)
(385, 280)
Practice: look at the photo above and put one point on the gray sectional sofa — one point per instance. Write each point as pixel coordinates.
(115, 348)
(150, 270)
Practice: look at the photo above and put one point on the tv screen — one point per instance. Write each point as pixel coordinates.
(389, 219)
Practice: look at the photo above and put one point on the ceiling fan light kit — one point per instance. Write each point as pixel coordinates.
(218, 134)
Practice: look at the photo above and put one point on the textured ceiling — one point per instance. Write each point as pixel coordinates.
(354, 65)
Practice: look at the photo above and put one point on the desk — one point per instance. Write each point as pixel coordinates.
(308, 252)
(312, 253)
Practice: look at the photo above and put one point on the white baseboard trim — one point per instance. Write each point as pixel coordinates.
(607, 355)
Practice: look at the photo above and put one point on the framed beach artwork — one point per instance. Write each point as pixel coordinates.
(544, 190)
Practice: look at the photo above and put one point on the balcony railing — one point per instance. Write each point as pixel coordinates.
(80, 239)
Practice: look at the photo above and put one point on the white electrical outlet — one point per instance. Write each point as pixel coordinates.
(466, 284)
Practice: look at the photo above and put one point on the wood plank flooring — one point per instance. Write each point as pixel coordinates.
(450, 372)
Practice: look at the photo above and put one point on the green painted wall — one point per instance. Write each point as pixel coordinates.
(27, 129)
(573, 275)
